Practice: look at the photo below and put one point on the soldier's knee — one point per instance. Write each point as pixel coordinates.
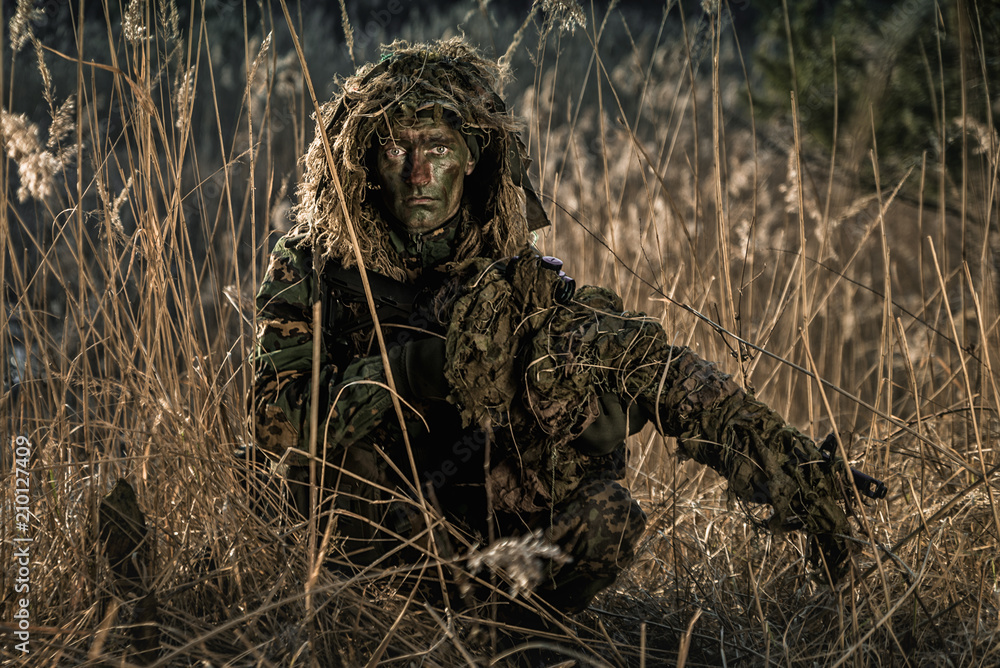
(622, 531)
(611, 522)
(616, 507)
(607, 526)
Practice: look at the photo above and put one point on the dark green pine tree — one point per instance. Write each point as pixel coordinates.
(900, 66)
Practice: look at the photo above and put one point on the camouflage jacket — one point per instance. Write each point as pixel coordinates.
(354, 403)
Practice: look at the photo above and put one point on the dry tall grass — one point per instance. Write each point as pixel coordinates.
(134, 226)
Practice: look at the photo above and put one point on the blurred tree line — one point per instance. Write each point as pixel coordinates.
(920, 76)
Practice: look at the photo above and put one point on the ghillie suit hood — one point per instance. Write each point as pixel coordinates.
(445, 77)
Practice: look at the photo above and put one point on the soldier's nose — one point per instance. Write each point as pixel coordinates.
(420, 171)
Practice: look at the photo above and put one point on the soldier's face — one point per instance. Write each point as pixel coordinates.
(422, 170)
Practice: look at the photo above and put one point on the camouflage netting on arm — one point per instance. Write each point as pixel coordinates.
(519, 359)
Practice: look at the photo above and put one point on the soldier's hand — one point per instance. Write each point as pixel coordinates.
(610, 428)
(418, 369)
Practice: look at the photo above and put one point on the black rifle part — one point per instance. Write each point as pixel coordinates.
(392, 298)
(563, 288)
(871, 487)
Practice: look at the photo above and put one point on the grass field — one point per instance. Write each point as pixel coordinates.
(151, 160)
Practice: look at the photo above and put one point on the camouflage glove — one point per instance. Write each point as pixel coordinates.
(418, 369)
(610, 428)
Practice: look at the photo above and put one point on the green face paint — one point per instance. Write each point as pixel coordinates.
(422, 169)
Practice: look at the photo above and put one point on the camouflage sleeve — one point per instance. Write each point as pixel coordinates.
(765, 459)
(350, 405)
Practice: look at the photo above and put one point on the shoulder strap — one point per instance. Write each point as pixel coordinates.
(393, 299)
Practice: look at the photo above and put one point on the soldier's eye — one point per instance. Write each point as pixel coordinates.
(395, 152)
(440, 150)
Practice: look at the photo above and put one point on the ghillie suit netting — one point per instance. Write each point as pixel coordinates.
(446, 79)
(534, 366)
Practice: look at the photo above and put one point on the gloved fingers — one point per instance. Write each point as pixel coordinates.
(607, 431)
(424, 361)
(611, 410)
(426, 354)
(418, 369)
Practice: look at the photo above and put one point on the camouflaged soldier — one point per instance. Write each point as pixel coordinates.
(519, 396)
(433, 175)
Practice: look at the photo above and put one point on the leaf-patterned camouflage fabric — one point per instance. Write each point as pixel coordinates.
(518, 358)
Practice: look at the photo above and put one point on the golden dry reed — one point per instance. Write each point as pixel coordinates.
(150, 152)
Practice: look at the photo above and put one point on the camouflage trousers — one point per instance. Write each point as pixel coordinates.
(597, 525)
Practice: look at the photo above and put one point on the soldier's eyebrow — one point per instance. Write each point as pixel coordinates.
(442, 138)
(432, 137)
